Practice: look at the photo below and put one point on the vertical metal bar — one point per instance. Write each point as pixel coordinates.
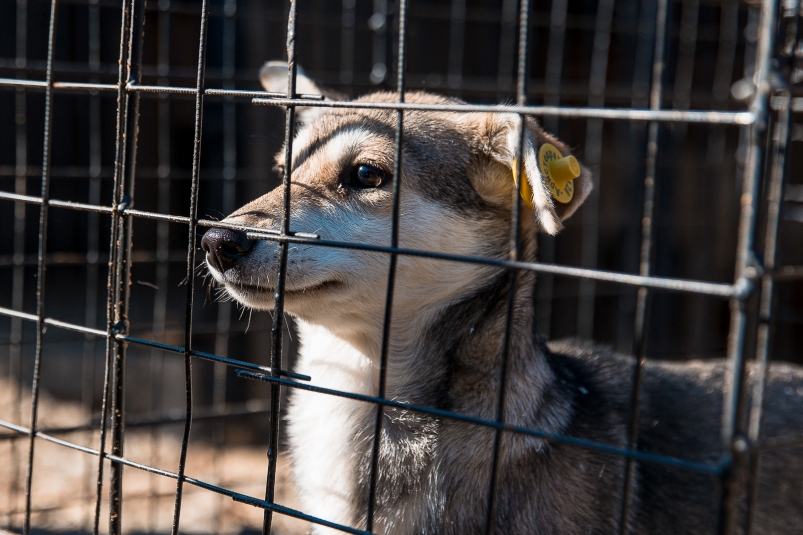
(347, 21)
(277, 329)
(196, 172)
(123, 264)
(645, 258)
(40, 271)
(749, 61)
(767, 299)
(18, 273)
(640, 98)
(394, 242)
(134, 76)
(589, 246)
(734, 402)
(515, 242)
(93, 239)
(117, 390)
(111, 282)
(457, 32)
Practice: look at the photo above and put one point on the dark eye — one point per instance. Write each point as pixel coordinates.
(366, 176)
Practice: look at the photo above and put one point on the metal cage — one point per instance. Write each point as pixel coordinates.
(748, 116)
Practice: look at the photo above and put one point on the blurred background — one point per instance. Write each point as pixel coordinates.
(582, 53)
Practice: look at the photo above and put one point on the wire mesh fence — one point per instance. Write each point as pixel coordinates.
(685, 112)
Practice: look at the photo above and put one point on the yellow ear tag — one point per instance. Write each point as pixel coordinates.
(559, 172)
(526, 191)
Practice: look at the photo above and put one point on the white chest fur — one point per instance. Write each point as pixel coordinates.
(321, 427)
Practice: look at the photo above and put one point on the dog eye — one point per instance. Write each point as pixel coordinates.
(366, 176)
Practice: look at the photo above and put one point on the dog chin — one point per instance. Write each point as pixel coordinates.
(263, 298)
(256, 298)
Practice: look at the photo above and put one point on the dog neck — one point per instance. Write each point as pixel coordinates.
(467, 347)
(452, 356)
(449, 358)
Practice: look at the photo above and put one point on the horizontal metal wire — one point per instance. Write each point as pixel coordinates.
(614, 93)
(216, 92)
(711, 117)
(17, 83)
(144, 172)
(8, 196)
(79, 86)
(93, 258)
(642, 456)
(19, 431)
(141, 341)
(740, 289)
(715, 469)
(236, 496)
(242, 498)
(278, 99)
(210, 357)
(24, 431)
(232, 410)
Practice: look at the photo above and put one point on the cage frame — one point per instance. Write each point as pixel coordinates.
(754, 273)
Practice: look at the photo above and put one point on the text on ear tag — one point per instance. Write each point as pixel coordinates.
(559, 172)
(526, 191)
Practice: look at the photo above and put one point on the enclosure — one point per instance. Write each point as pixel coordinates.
(130, 127)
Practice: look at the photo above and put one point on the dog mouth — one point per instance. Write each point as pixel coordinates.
(294, 291)
(262, 294)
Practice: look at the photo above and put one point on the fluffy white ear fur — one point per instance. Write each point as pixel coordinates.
(273, 76)
(542, 201)
(497, 136)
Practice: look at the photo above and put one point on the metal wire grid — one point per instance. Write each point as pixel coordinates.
(741, 447)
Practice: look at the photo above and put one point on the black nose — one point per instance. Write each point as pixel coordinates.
(224, 247)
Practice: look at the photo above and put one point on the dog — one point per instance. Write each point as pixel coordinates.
(447, 335)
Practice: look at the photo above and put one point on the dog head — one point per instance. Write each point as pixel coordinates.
(456, 196)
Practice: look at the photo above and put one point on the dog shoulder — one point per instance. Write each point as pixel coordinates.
(602, 381)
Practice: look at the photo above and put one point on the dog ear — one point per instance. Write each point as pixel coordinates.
(273, 76)
(496, 137)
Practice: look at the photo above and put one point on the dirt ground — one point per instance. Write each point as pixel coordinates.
(64, 479)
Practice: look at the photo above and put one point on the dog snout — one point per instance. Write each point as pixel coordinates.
(225, 247)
